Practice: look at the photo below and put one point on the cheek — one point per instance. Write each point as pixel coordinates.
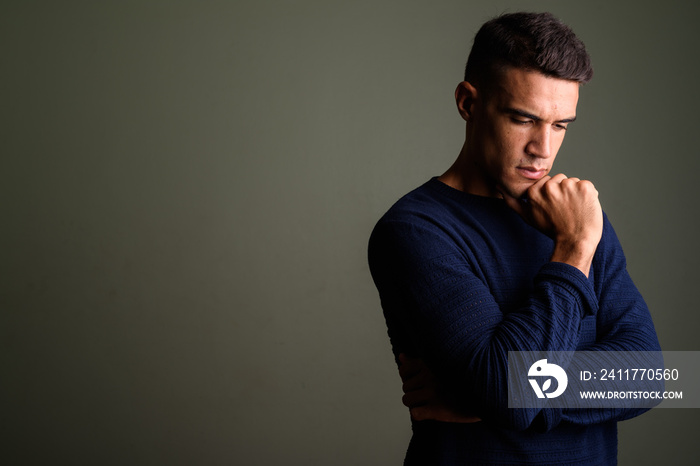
(503, 138)
(512, 142)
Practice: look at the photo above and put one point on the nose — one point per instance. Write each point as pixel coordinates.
(540, 142)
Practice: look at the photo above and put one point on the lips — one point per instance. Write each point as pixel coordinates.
(531, 173)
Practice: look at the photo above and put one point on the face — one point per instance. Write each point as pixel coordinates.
(515, 131)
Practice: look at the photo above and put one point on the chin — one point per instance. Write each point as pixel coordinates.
(518, 191)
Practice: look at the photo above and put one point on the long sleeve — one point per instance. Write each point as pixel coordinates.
(432, 291)
(463, 294)
(623, 322)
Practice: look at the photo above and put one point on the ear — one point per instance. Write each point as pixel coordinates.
(465, 96)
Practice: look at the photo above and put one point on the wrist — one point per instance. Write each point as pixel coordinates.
(578, 254)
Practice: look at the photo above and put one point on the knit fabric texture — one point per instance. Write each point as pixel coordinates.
(463, 280)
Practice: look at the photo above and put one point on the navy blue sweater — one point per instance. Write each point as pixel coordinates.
(462, 281)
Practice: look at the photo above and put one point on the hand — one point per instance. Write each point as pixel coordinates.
(568, 211)
(421, 394)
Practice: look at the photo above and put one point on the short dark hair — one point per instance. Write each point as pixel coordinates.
(531, 41)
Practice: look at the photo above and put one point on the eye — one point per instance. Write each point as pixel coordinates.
(560, 127)
(519, 121)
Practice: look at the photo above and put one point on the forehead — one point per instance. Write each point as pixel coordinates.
(533, 92)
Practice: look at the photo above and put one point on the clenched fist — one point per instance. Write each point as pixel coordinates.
(569, 212)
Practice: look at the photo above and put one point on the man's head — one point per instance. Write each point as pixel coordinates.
(519, 96)
(529, 41)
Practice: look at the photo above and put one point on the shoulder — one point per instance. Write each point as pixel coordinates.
(424, 200)
(418, 223)
(421, 209)
(434, 205)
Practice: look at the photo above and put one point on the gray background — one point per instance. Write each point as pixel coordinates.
(187, 193)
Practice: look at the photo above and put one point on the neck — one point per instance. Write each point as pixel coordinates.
(466, 176)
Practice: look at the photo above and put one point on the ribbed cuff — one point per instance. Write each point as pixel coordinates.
(575, 281)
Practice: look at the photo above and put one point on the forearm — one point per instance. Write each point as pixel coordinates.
(577, 254)
(471, 354)
(463, 313)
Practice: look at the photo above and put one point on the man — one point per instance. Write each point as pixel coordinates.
(496, 255)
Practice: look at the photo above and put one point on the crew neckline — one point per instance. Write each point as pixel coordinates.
(462, 196)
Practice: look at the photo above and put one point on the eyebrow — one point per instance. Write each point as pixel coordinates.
(530, 116)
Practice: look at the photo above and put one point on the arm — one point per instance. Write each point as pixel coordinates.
(424, 396)
(624, 324)
(623, 320)
(568, 211)
(438, 307)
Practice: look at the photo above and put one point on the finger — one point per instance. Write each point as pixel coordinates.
(417, 398)
(535, 189)
(417, 414)
(548, 189)
(418, 382)
(420, 413)
(409, 370)
(422, 378)
(570, 182)
(558, 178)
(407, 375)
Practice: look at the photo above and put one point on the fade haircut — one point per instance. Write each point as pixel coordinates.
(529, 41)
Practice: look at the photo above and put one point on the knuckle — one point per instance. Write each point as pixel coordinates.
(588, 187)
(549, 187)
(532, 194)
(568, 182)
